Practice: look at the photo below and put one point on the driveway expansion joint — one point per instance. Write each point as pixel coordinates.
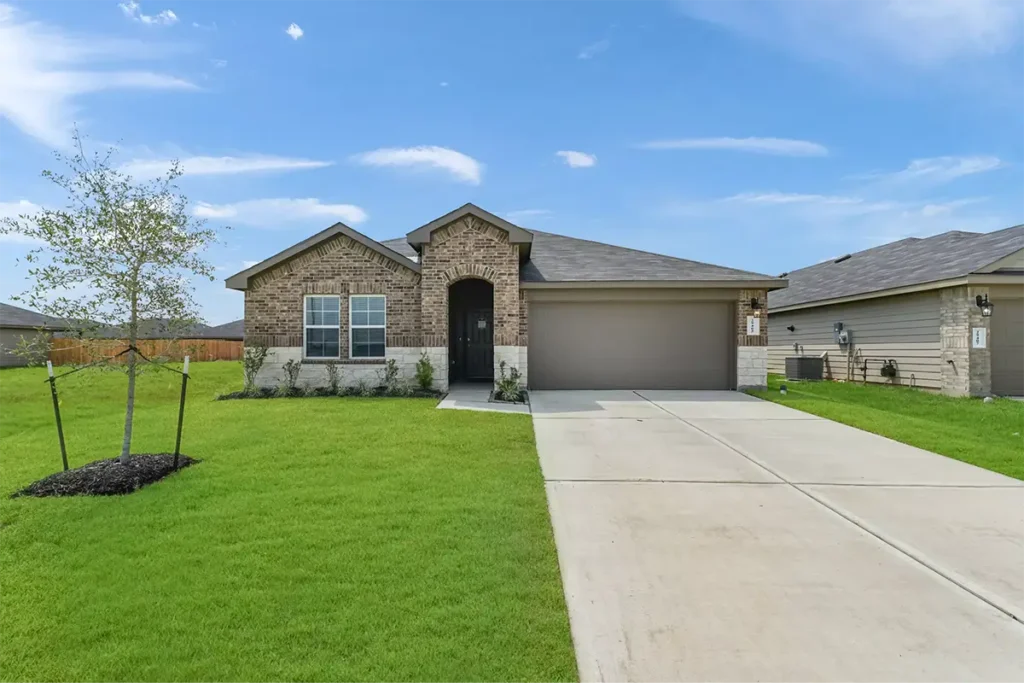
(1014, 613)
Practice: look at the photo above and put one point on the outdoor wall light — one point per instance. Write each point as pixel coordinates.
(755, 306)
(791, 328)
(985, 305)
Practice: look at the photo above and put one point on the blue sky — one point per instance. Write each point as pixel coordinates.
(758, 135)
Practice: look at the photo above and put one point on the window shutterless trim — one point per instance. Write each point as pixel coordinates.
(367, 327)
(306, 326)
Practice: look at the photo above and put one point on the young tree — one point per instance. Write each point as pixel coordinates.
(119, 253)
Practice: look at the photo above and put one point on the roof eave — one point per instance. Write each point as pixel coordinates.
(240, 281)
(769, 284)
(516, 234)
(971, 279)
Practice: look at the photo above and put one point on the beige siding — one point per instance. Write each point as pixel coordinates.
(9, 339)
(903, 328)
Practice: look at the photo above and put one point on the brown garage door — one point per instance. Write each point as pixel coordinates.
(631, 345)
(1008, 347)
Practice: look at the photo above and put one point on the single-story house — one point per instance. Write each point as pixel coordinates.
(17, 324)
(471, 290)
(232, 331)
(944, 312)
(157, 328)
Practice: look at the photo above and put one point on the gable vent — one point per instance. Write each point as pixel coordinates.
(842, 258)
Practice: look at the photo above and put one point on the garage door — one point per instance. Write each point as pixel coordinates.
(1008, 347)
(631, 345)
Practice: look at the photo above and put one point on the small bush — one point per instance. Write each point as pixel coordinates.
(424, 373)
(333, 376)
(507, 388)
(363, 388)
(252, 362)
(291, 375)
(389, 376)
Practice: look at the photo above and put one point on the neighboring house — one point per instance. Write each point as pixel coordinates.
(912, 306)
(17, 324)
(161, 328)
(232, 331)
(471, 290)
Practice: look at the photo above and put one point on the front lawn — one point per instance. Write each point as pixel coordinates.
(319, 539)
(988, 435)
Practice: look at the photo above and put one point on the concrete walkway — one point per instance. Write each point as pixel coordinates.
(714, 536)
(477, 397)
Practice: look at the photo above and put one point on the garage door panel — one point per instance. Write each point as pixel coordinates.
(1007, 346)
(631, 345)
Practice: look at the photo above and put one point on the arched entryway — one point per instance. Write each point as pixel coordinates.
(471, 330)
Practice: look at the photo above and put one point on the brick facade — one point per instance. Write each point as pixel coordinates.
(751, 350)
(965, 371)
(470, 247)
(743, 309)
(417, 303)
(274, 301)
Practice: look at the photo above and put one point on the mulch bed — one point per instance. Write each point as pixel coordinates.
(107, 477)
(324, 392)
(523, 398)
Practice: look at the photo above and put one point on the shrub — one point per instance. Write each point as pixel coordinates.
(363, 388)
(252, 362)
(507, 387)
(389, 377)
(424, 373)
(333, 376)
(291, 375)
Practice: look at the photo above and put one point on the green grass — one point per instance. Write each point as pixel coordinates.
(319, 539)
(988, 435)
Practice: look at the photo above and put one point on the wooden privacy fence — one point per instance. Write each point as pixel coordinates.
(65, 351)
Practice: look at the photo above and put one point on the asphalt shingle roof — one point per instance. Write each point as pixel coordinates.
(232, 330)
(909, 262)
(558, 258)
(13, 316)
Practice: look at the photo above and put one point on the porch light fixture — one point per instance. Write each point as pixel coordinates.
(985, 305)
(755, 306)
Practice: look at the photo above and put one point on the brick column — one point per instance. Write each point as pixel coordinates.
(751, 350)
(965, 371)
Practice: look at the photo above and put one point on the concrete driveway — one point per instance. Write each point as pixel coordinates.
(714, 536)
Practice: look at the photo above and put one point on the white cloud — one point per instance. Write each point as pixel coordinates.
(779, 146)
(527, 214)
(281, 212)
(133, 10)
(790, 198)
(15, 210)
(43, 70)
(219, 63)
(444, 84)
(846, 222)
(294, 31)
(460, 166)
(204, 165)
(922, 33)
(578, 159)
(941, 169)
(594, 49)
(248, 264)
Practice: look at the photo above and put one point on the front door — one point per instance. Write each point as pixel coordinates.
(479, 344)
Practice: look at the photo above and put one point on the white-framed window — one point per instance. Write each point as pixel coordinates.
(367, 322)
(322, 328)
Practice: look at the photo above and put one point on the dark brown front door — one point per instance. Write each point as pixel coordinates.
(479, 344)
